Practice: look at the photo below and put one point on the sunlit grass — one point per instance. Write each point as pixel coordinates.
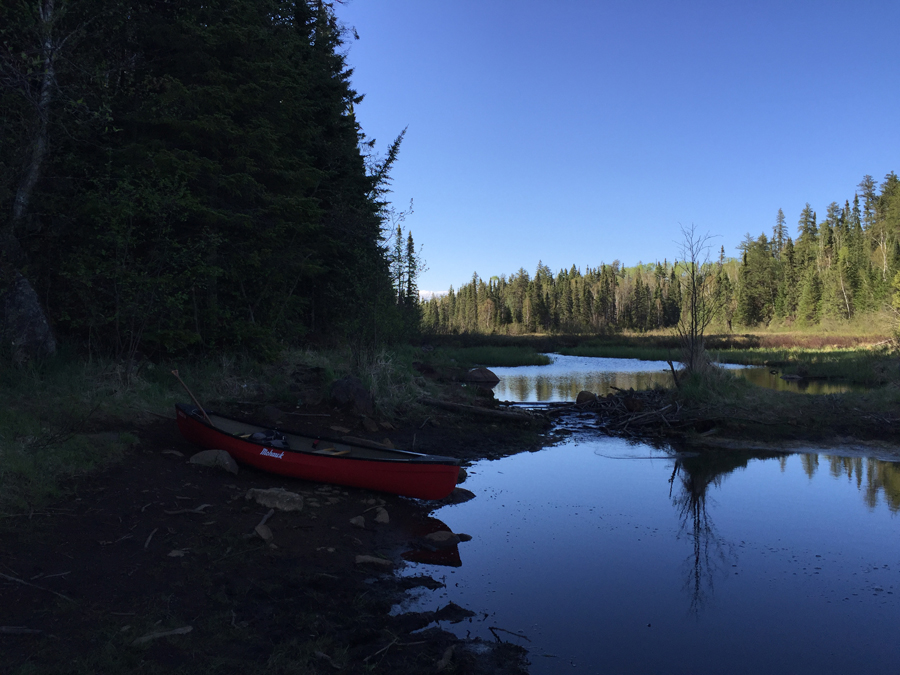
(492, 356)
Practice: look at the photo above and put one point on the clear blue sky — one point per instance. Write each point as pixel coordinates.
(579, 132)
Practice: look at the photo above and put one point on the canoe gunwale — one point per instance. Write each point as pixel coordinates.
(404, 456)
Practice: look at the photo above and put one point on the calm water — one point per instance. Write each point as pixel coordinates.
(784, 565)
(567, 375)
(612, 557)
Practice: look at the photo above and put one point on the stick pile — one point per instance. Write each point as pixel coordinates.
(634, 413)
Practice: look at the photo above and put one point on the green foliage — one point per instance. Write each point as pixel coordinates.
(207, 182)
(836, 270)
(601, 300)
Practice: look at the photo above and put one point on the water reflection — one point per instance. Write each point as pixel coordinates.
(567, 375)
(873, 478)
(597, 549)
(430, 549)
(711, 554)
(764, 377)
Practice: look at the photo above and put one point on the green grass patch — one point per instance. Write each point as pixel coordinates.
(854, 362)
(50, 411)
(870, 367)
(620, 351)
(468, 357)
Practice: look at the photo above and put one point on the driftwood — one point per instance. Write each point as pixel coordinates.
(505, 415)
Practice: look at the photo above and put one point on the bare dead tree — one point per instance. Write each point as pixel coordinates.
(701, 299)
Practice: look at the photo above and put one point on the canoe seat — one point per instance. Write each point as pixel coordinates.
(333, 452)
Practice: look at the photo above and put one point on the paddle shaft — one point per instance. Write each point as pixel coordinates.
(193, 398)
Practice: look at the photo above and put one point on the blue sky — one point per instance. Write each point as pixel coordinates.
(578, 132)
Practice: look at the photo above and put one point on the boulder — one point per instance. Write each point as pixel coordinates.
(349, 392)
(481, 376)
(276, 498)
(214, 458)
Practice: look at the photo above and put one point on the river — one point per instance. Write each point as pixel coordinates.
(604, 556)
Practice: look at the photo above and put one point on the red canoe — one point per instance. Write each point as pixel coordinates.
(356, 463)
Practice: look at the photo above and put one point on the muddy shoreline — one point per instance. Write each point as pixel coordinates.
(164, 551)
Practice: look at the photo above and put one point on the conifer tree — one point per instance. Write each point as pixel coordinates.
(809, 304)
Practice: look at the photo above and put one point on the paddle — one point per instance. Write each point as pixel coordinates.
(196, 402)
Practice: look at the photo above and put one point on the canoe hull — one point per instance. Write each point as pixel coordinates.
(418, 476)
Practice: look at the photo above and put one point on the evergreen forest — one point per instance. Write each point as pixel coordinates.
(837, 268)
(184, 175)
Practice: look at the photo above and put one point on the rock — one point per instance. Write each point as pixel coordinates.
(387, 443)
(481, 375)
(23, 323)
(585, 397)
(463, 474)
(373, 560)
(264, 532)
(370, 425)
(214, 458)
(358, 521)
(382, 516)
(442, 539)
(350, 392)
(276, 498)
(446, 658)
(458, 496)
(387, 426)
(339, 429)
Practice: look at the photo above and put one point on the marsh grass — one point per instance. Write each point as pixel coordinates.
(866, 366)
(487, 355)
(624, 351)
(848, 358)
(712, 385)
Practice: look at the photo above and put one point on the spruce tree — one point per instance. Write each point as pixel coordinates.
(809, 304)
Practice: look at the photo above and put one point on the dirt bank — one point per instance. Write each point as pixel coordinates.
(157, 545)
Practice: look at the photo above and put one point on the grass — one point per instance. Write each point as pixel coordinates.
(50, 412)
(468, 357)
(852, 359)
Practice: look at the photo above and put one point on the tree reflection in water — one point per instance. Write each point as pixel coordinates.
(711, 555)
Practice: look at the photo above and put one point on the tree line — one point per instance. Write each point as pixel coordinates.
(845, 265)
(192, 174)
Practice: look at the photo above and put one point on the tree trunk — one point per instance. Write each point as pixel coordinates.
(23, 322)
